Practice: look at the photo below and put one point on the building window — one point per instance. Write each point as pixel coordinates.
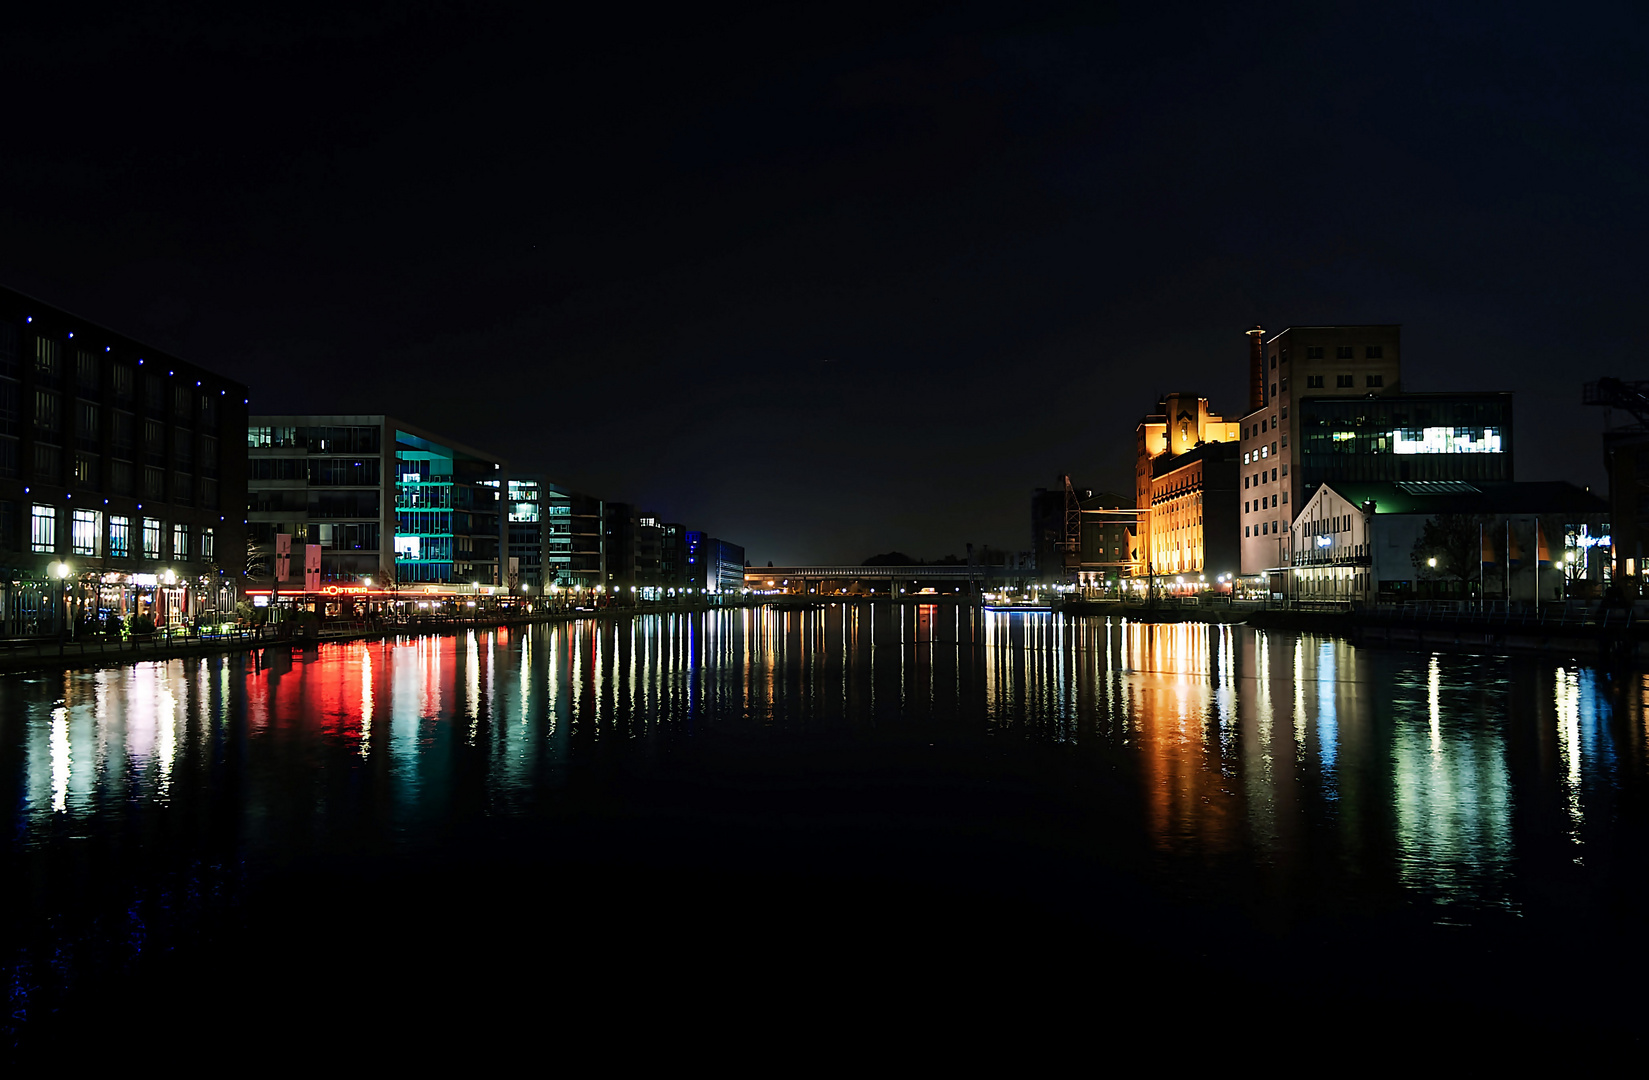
(1371, 352)
(84, 529)
(121, 430)
(120, 477)
(1273, 361)
(85, 429)
(181, 400)
(1245, 481)
(120, 537)
(180, 541)
(88, 472)
(43, 529)
(1375, 380)
(48, 366)
(86, 374)
(151, 538)
(208, 545)
(46, 416)
(154, 483)
(1313, 382)
(1313, 352)
(1246, 530)
(1343, 352)
(1343, 381)
(121, 376)
(1262, 424)
(48, 462)
(1285, 383)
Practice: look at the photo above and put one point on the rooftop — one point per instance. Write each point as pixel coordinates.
(1474, 497)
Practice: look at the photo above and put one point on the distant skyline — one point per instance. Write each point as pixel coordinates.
(836, 285)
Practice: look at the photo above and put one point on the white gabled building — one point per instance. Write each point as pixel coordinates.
(1356, 542)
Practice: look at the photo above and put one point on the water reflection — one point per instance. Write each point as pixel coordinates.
(1289, 751)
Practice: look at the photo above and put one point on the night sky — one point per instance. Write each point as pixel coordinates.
(836, 280)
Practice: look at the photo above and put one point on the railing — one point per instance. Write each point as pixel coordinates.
(1515, 613)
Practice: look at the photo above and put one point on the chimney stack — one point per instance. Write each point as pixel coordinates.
(1256, 369)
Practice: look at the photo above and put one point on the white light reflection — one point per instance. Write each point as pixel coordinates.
(1434, 685)
(1568, 747)
(61, 762)
(366, 701)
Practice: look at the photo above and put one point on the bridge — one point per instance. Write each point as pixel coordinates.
(874, 579)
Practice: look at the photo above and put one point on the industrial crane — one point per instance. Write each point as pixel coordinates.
(1633, 397)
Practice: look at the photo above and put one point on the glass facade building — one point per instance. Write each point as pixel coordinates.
(1405, 437)
(383, 498)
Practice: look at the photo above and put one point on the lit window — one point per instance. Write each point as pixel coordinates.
(84, 529)
(120, 537)
(43, 529)
(208, 545)
(180, 541)
(151, 538)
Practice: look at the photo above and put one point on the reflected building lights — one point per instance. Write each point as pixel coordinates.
(1192, 707)
(62, 763)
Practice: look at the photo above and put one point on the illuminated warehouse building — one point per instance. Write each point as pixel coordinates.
(1185, 471)
(1326, 404)
(384, 499)
(122, 477)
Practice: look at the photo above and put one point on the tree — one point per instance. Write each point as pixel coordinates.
(1455, 542)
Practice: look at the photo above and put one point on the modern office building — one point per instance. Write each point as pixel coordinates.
(122, 476)
(1363, 541)
(383, 498)
(1184, 468)
(673, 566)
(633, 540)
(531, 511)
(714, 565)
(581, 540)
(1328, 405)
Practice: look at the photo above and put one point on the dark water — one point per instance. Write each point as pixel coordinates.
(780, 812)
